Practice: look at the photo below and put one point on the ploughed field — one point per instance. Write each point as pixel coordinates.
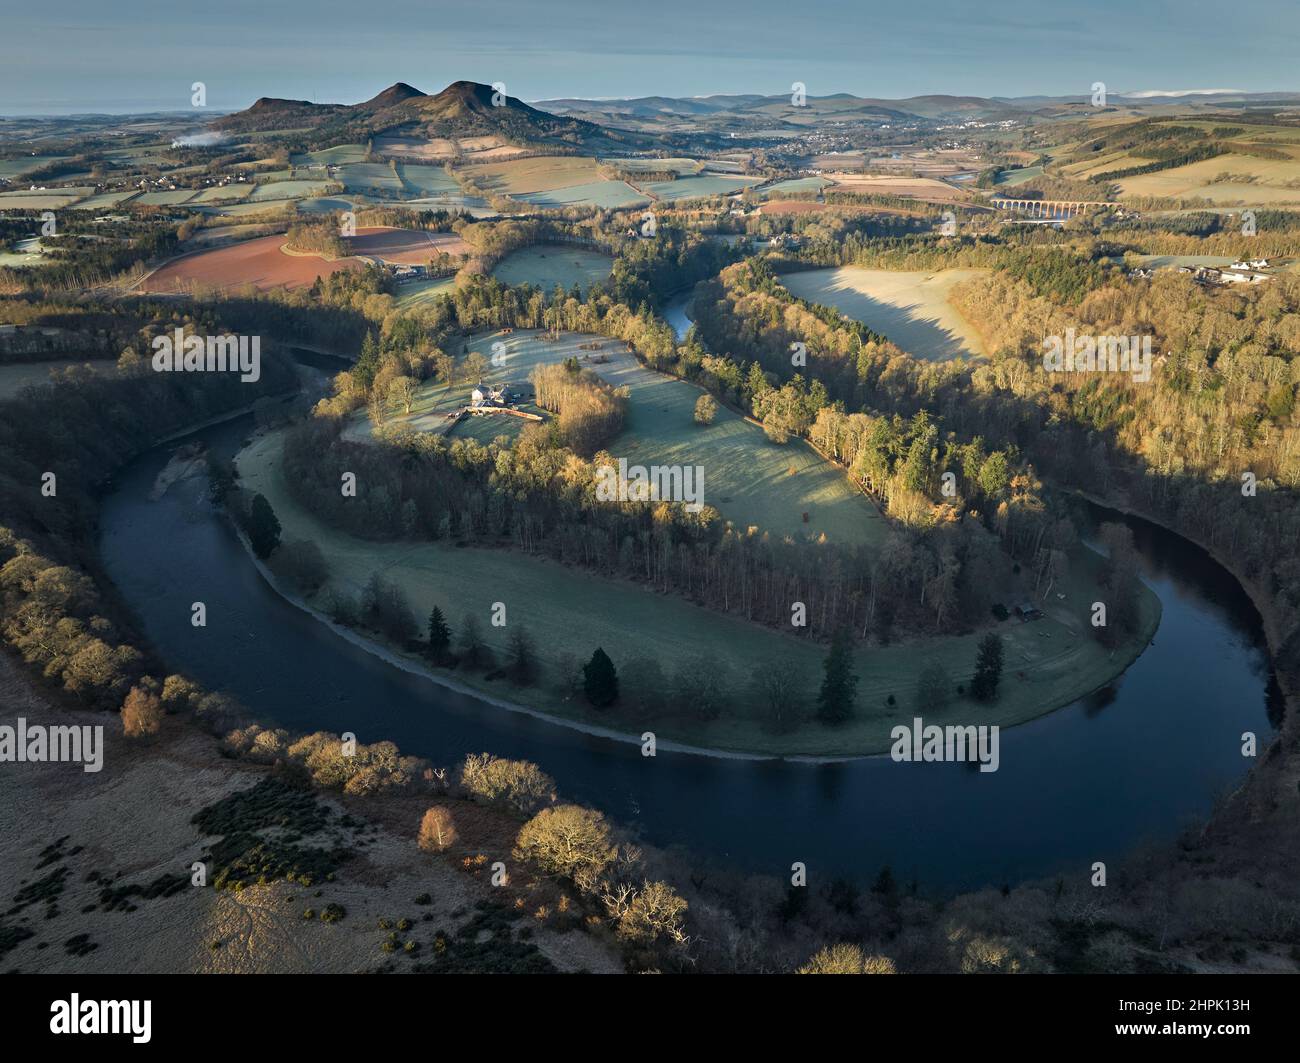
(265, 264)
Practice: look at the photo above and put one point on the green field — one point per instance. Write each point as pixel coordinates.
(277, 190)
(416, 293)
(335, 156)
(546, 265)
(797, 184)
(911, 308)
(102, 201)
(21, 164)
(697, 187)
(569, 611)
(369, 177)
(420, 180)
(610, 195)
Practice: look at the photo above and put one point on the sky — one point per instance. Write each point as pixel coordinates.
(140, 55)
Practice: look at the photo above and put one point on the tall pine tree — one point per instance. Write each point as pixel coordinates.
(988, 668)
(840, 683)
(439, 635)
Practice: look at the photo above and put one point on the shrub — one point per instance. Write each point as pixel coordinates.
(706, 408)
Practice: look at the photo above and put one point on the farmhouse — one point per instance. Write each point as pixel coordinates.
(496, 395)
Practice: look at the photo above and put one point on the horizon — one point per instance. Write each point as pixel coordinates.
(321, 52)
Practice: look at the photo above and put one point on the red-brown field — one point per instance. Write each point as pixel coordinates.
(264, 264)
(406, 247)
(259, 262)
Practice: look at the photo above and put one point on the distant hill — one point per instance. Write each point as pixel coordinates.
(843, 104)
(463, 108)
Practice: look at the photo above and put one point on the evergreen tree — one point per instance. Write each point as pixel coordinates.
(439, 635)
(840, 683)
(988, 668)
(368, 362)
(600, 680)
(263, 527)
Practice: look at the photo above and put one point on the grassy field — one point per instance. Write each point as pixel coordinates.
(1268, 180)
(611, 195)
(546, 265)
(427, 180)
(797, 184)
(276, 190)
(369, 177)
(1048, 664)
(909, 307)
(697, 187)
(751, 481)
(544, 173)
(425, 291)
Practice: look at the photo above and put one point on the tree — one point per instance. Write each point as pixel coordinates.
(776, 689)
(847, 959)
(142, 713)
(600, 680)
(437, 830)
(933, 688)
(476, 365)
(439, 635)
(840, 682)
(988, 668)
(401, 392)
(522, 659)
(473, 651)
(567, 840)
(701, 686)
(263, 527)
(706, 408)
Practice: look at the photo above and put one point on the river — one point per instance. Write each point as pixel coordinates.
(1139, 760)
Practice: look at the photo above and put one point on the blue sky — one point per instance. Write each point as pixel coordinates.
(77, 55)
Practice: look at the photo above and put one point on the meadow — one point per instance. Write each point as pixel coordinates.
(697, 187)
(546, 265)
(911, 308)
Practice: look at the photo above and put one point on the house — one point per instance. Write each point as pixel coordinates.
(491, 395)
(1027, 611)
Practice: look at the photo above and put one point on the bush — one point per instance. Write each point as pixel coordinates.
(706, 408)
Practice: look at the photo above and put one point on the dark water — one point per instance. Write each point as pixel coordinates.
(1137, 761)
